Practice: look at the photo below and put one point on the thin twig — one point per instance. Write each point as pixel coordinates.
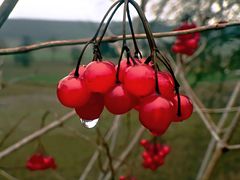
(12, 130)
(6, 175)
(35, 135)
(104, 144)
(127, 150)
(219, 148)
(220, 110)
(221, 122)
(48, 44)
(111, 147)
(95, 155)
(233, 147)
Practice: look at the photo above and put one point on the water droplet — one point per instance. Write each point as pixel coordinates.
(89, 123)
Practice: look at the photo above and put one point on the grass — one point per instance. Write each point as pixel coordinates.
(34, 95)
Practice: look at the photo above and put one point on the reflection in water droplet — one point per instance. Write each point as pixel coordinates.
(89, 123)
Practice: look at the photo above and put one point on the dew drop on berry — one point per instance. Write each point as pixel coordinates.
(89, 123)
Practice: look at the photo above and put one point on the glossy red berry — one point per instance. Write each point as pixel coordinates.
(166, 87)
(186, 108)
(139, 80)
(118, 100)
(166, 149)
(80, 72)
(92, 109)
(72, 92)
(124, 64)
(100, 76)
(145, 143)
(155, 114)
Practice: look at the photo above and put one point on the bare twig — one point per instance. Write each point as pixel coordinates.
(127, 150)
(35, 135)
(12, 130)
(6, 175)
(48, 44)
(219, 148)
(220, 110)
(198, 105)
(212, 143)
(93, 159)
(233, 147)
(104, 144)
(111, 147)
(5, 10)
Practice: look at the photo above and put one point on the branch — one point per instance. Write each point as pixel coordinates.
(128, 149)
(220, 125)
(48, 44)
(35, 135)
(5, 10)
(219, 148)
(233, 147)
(94, 157)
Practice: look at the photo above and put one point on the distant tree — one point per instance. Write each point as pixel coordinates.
(24, 59)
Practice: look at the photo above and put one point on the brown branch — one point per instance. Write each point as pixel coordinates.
(219, 148)
(220, 125)
(35, 135)
(221, 110)
(94, 157)
(48, 44)
(127, 150)
(233, 147)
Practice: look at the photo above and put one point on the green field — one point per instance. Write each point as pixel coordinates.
(30, 92)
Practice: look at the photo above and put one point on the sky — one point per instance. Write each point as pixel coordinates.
(73, 10)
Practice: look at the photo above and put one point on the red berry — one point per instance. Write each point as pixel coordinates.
(166, 149)
(80, 71)
(139, 80)
(192, 43)
(123, 66)
(145, 155)
(72, 92)
(153, 167)
(158, 160)
(165, 86)
(149, 160)
(186, 108)
(169, 76)
(118, 100)
(92, 109)
(145, 143)
(99, 76)
(122, 178)
(155, 114)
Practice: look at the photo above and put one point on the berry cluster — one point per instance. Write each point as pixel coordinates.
(186, 43)
(121, 88)
(154, 154)
(135, 82)
(39, 161)
(127, 178)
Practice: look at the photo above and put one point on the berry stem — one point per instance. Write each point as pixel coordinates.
(124, 43)
(137, 52)
(108, 22)
(76, 74)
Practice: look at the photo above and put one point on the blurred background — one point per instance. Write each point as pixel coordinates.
(28, 84)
